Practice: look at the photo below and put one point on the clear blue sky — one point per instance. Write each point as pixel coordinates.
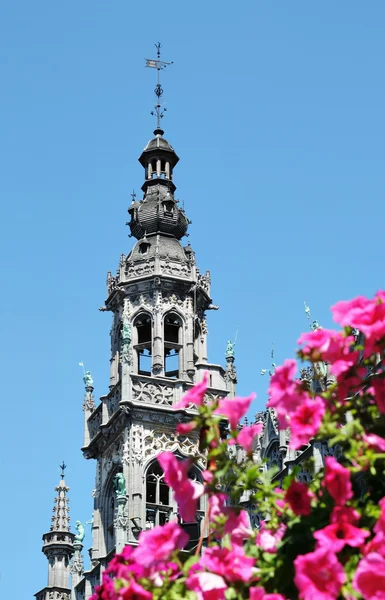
(277, 112)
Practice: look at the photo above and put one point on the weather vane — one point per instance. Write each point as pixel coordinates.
(159, 65)
(63, 468)
(273, 365)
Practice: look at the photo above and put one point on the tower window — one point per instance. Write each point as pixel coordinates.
(168, 208)
(172, 345)
(143, 346)
(144, 247)
(160, 504)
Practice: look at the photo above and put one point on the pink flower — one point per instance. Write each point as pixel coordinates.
(195, 395)
(232, 564)
(159, 543)
(335, 536)
(246, 436)
(366, 315)
(184, 428)
(318, 575)
(375, 442)
(186, 492)
(331, 346)
(207, 586)
(299, 498)
(217, 504)
(337, 481)
(268, 540)
(306, 421)
(134, 591)
(258, 593)
(234, 408)
(285, 394)
(369, 578)
(377, 544)
(237, 525)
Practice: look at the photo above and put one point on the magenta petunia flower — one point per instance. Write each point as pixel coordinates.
(319, 575)
(369, 578)
(337, 481)
(195, 395)
(207, 586)
(335, 536)
(299, 498)
(234, 408)
(232, 564)
(246, 436)
(159, 543)
(306, 421)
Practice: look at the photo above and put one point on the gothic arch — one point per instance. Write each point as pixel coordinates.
(142, 341)
(173, 325)
(108, 506)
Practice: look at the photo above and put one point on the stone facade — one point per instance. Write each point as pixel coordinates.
(158, 300)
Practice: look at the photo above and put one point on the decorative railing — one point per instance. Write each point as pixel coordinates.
(145, 389)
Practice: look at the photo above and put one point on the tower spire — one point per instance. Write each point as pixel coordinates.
(61, 518)
(159, 65)
(58, 545)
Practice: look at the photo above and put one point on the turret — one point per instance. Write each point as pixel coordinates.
(58, 547)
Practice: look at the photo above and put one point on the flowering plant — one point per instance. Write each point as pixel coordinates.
(318, 541)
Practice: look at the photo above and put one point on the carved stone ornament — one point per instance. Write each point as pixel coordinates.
(77, 565)
(160, 441)
(88, 403)
(152, 393)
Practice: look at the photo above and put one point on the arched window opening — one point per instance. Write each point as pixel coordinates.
(144, 248)
(144, 344)
(109, 514)
(153, 170)
(274, 457)
(158, 500)
(172, 345)
(168, 208)
(161, 507)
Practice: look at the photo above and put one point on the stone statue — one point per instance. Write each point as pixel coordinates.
(120, 485)
(126, 332)
(230, 349)
(88, 381)
(79, 537)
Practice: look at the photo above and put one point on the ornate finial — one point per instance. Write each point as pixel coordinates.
(133, 196)
(159, 65)
(273, 365)
(60, 519)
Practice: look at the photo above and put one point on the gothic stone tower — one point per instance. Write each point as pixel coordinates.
(158, 300)
(58, 548)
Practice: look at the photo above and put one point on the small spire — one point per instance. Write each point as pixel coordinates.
(159, 65)
(61, 518)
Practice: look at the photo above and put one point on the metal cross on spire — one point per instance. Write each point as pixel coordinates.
(159, 65)
(63, 468)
